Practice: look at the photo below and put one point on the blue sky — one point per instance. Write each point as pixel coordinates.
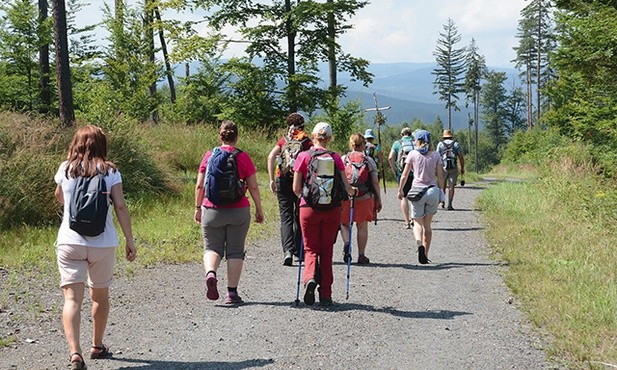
(391, 31)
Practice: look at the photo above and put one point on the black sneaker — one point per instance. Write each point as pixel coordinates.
(309, 294)
(422, 255)
(346, 255)
(288, 261)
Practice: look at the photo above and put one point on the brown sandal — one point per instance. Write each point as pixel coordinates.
(102, 351)
(78, 365)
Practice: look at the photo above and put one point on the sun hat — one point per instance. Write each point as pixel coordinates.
(368, 134)
(447, 134)
(406, 131)
(322, 130)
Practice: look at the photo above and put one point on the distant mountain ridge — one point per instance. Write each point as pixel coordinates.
(408, 88)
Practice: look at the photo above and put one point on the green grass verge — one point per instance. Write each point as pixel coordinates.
(163, 226)
(558, 235)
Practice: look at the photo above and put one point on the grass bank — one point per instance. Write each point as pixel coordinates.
(557, 232)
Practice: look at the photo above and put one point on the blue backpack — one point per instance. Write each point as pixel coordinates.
(222, 183)
(89, 205)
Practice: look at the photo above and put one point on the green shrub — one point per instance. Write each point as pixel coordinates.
(31, 150)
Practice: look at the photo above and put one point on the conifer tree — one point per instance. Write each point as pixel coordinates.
(535, 33)
(451, 66)
(476, 71)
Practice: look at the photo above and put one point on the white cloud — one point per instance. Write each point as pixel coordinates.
(407, 30)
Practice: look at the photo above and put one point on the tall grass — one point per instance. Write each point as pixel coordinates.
(159, 166)
(558, 234)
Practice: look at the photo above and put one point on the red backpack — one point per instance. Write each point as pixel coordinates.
(358, 173)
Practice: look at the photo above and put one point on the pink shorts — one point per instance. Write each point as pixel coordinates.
(81, 264)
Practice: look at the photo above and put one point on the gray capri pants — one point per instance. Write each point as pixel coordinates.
(224, 230)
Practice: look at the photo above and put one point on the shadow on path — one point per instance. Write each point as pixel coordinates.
(433, 266)
(165, 365)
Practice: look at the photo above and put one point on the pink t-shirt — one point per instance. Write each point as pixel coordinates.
(424, 167)
(246, 169)
(301, 165)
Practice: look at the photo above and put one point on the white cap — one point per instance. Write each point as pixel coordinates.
(322, 130)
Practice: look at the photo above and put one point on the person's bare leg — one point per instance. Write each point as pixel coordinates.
(100, 314)
(451, 185)
(418, 230)
(405, 210)
(362, 236)
(71, 314)
(234, 270)
(212, 260)
(345, 233)
(427, 235)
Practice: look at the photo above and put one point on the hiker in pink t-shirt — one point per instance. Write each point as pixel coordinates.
(428, 176)
(224, 227)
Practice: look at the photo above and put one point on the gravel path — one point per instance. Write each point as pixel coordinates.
(455, 313)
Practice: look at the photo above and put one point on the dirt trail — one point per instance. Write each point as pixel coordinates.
(455, 313)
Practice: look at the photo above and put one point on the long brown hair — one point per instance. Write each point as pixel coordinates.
(88, 153)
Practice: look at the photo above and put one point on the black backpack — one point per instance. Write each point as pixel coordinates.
(323, 191)
(222, 183)
(449, 156)
(89, 205)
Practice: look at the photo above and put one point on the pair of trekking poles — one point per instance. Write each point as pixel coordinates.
(301, 256)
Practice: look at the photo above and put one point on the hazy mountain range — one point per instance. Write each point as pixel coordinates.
(408, 88)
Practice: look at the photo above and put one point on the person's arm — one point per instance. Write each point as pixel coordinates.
(59, 194)
(253, 187)
(403, 181)
(199, 196)
(297, 184)
(124, 219)
(461, 159)
(391, 161)
(272, 166)
(441, 176)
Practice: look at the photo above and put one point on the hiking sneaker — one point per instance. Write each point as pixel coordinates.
(346, 255)
(326, 302)
(450, 208)
(233, 298)
(212, 292)
(288, 260)
(422, 255)
(309, 294)
(443, 205)
(363, 260)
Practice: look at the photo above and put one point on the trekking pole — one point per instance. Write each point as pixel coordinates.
(300, 259)
(353, 198)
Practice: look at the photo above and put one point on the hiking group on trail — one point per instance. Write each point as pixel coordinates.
(319, 192)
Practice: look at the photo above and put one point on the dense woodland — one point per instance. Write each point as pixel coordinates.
(61, 72)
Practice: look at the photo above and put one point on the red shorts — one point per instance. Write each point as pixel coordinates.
(363, 210)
